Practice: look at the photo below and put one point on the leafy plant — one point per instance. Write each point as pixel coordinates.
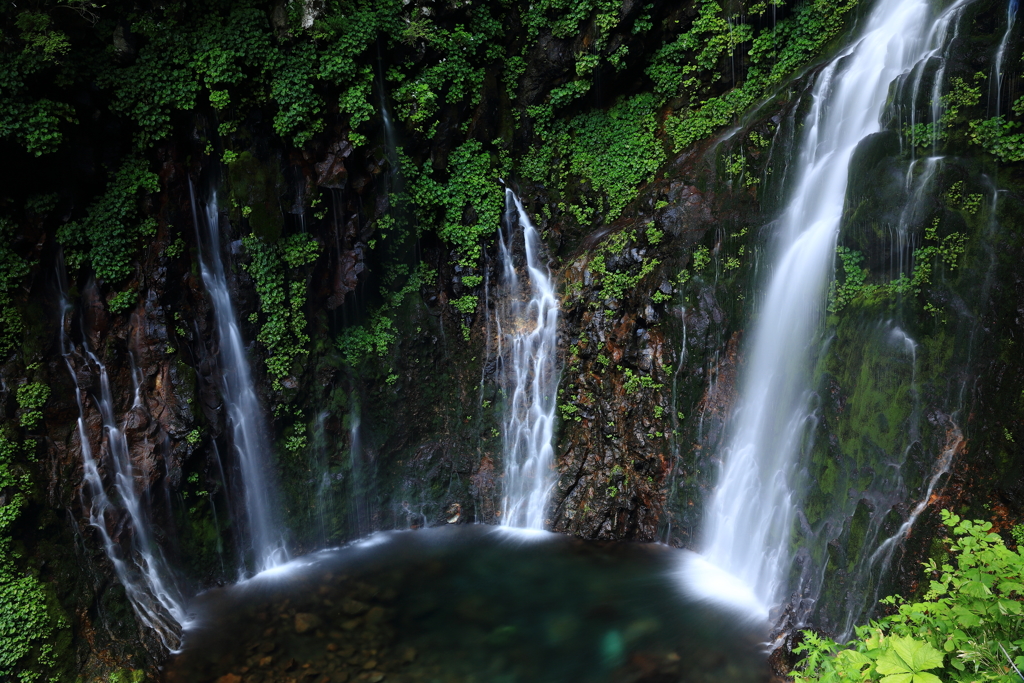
(968, 625)
(32, 397)
(112, 230)
(282, 294)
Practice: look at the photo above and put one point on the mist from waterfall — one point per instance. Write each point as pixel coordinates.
(746, 553)
(527, 327)
(245, 415)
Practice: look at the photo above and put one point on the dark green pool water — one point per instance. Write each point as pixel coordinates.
(469, 604)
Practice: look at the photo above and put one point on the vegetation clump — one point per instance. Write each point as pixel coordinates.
(967, 626)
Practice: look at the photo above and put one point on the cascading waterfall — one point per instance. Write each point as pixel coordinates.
(248, 434)
(527, 323)
(144, 572)
(751, 514)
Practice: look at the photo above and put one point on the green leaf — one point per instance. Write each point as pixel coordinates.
(907, 655)
(898, 678)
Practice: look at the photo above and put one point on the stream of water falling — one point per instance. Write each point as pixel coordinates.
(142, 571)
(245, 416)
(997, 71)
(746, 547)
(527, 322)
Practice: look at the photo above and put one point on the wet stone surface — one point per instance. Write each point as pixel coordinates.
(470, 604)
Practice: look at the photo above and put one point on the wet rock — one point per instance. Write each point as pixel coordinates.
(306, 621)
(331, 172)
(354, 607)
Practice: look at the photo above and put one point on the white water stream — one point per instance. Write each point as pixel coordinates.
(139, 564)
(997, 75)
(245, 415)
(751, 514)
(527, 323)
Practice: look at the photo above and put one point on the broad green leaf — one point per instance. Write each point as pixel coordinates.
(909, 655)
(1009, 607)
(975, 589)
(925, 677)
(890, 663)
(898, 678)
(854, 658)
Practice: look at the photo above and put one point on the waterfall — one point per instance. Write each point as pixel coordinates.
(248, 433)
(357, 485)
(320, 468)
(997, 71)
(527, 323)
(750, 517)
(142, 571)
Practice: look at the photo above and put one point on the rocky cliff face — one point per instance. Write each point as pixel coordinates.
(389, 414)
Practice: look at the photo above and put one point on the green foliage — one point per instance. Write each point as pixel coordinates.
(465, 305)
(31, 121)
(853, 286)
(569, 411)
(28, 619)
(464, 209)
(127, 676)
(997, 138)
(282, 293)
(967, 627)
(701, 259)
(615, 282)
(775, 54)
(842, 292)
(695, 53)
(121, 301)
(13, 268)
(113, 228)
(961, 95)
(375, 338)
(612, 151)
(633, 383)
(32, 397)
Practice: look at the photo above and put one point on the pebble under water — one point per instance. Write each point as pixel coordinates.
(468, 604)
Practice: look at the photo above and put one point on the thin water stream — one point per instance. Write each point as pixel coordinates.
(245, 415)
(120, 517)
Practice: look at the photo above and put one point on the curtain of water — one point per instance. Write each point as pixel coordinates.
(142, 571)
(248, 433)
(528, 321)
(751, 513)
